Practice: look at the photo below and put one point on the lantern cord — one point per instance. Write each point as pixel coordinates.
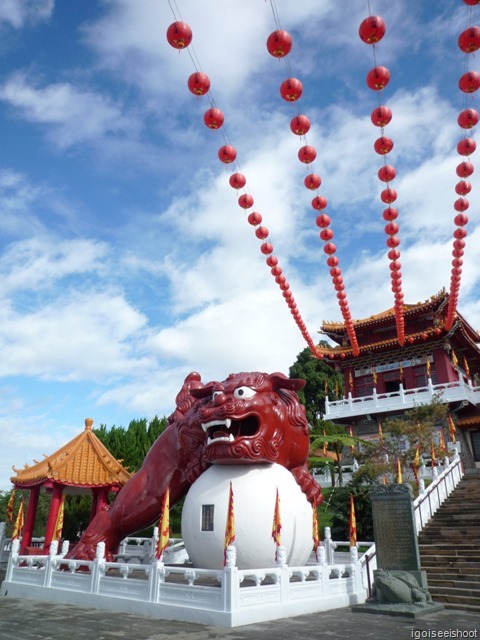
(261, 232)
(276, 17)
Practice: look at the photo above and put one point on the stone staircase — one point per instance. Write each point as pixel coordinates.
(450, 547)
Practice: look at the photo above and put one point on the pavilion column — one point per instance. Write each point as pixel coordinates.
(52, 515)
(30, 516)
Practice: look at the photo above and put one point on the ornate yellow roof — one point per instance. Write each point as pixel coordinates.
(82, 462)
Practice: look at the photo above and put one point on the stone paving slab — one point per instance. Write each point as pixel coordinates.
(35, 620)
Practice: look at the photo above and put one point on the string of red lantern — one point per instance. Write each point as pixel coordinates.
(469, 82)
(371, 31)
(279, 45)
(179, 36)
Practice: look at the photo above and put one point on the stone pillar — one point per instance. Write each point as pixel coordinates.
(30, 517)
(52, 515)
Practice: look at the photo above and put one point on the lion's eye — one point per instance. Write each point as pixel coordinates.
(244, 392)
(216, 393)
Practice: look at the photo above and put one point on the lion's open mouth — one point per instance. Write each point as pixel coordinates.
(229, 429)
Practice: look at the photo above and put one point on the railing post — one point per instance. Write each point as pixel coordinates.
(329, 546)
(98, 568)
(401, 393)
(375, 397)
(13, 560)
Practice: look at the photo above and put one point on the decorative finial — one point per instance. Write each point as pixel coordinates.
(88, 424)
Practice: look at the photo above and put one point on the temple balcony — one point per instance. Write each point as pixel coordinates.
(401, 400)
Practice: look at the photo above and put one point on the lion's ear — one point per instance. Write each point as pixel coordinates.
(202, 392)
(280, 381)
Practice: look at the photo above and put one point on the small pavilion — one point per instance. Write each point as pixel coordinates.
(82, 466)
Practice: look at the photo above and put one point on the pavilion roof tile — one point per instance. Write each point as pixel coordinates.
(84, 461)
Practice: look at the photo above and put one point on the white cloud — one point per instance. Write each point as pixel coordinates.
(19, 12)
(74, 115)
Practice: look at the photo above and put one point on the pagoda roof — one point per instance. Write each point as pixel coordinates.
(387, 316)
(82, 462)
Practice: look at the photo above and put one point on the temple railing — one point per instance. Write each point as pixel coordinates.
(403, 399)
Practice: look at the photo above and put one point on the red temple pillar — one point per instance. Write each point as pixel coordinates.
(30, 516)
(52, 515)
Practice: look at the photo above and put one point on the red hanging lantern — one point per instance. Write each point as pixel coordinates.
(461, 219)
(466, 146)
(337, 280)
(378, 78)
(279, 43)
(472, 3)
(372, 29)
(395, 265)
(319, 203)
(291, 89)
(300, 125)
(213, 118)
(254, 218)
(463, 187)
(461, 204)
(227, 153)
(335, 272)
(237, 180)
(272, 261)
(469, 82)
(261, 233)
(460, 233)
(381, 116)
(266, 248)
(386, 173)
(276, 271)
(465, 169)
(388, 195)
(179, 35)
(198, 83)
(467, 118)
(469, 40)
(287, 294)
(312, 181)
(332, 261)
(307, 154)
(393, 254)
(341, 295)
(383, 145)
(329, 248)
(392, 242)
(457, 253)
(281, 279)
(245, 201)
(326, 234)
(390, 214)
(457, 262)
(391, 228)
(322, 220)
(459, 244)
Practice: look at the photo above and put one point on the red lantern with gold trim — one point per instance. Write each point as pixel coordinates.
(237, 180)
(390, 213)
(378, 78)
(469, 40)
(300, 125)
(245, 201)
(279, 43)
(383, 145)
(372, 29)
(227, 153)
(198, 83)
(272, 261)
(466, 146)
(465, 169)
(388, 195)
(213, 118)
(179, 35)
(266, 248)
(307, 154)
(381, 116)
(386, 173)
(254, 218)
(468, 118)
(312, 181)
(291, 89)
(469, 82)
(463, 187)
(461, 219)
(329, 248)
(261, 233)
(461, 204)
(326, 234)
(322, 220)
(319, 203)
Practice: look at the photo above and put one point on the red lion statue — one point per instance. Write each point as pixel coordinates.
(246, 419)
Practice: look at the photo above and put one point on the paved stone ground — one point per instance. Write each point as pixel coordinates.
(35, 620)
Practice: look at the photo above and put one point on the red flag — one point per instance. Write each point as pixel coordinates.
(352, 525)
(315, 529)
(20, 521)
(277, 522)
(57, 531)
(452, 429)
(11, 508)
(164, 525)
(230, 526)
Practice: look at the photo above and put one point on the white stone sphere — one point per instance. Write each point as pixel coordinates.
(254, 488)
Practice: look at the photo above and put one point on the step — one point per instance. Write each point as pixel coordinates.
(462, 607)
(457, 582)
(452, 570)
(448, 554)
(456, 598)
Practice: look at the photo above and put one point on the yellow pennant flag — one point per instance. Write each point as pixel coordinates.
(454, 359)
(441, 444)
(380, 432)
(350, 433)
(277, 523)
(20, 521)
(427, 365)
(352, 525)
(374, 374)
(230, 526)
(400, 371)
(326, 387)
(10, 508)
(57, 531)
(350, 381)
(399, 472)
(164, 525)
(416, 464)
(315, 529)
(466, 367)
(432, 454)
(452, 430)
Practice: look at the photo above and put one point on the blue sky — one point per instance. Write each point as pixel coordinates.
(125, 260)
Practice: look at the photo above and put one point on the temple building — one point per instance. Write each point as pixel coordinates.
(82, 466)
(386, 378)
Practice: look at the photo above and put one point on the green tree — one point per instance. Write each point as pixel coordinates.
(321, 380)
